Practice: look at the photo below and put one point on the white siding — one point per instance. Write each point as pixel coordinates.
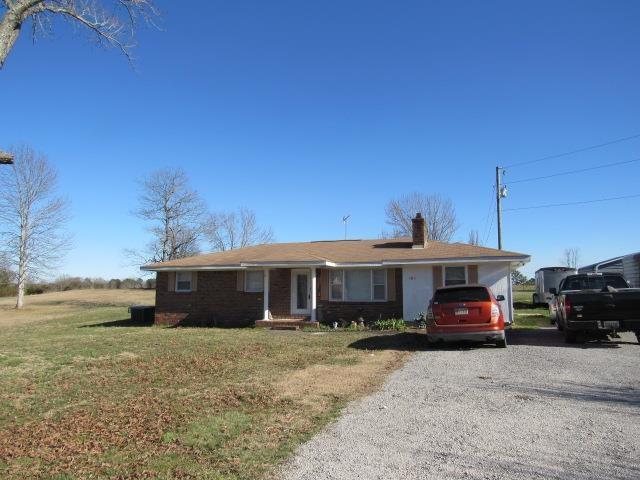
(417, 287)
(417, 290)
(497, 276)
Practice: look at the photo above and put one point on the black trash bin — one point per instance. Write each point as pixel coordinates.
(142, 314)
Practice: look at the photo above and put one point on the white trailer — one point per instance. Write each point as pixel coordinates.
(548, 278)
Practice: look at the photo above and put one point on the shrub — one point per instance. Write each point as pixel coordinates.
(390, 324)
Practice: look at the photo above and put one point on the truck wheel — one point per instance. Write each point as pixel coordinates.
(570, 336)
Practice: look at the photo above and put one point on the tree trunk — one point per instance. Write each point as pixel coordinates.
(22, 279)
(22, 265)
(9, 31)
(20, 300)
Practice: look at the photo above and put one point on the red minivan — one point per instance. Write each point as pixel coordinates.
(466, 313)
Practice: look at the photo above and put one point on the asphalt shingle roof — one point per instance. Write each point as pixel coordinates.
(376, 251)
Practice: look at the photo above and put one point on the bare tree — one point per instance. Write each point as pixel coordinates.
(571, 257)
(110, 22)
(237, 229)
(174, 213)
(474, 238)
(439, 213)
(32, 218)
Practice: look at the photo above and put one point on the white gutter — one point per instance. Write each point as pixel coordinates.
(385, 263)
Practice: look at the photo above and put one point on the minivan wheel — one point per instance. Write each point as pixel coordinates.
(502, 343)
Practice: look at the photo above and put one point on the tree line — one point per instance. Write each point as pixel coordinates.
(64, 283)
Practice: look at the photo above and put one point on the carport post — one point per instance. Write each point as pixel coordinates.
(265, 301)
(314, 306)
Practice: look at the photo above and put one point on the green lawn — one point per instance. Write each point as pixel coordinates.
(531, 318)
(523, 293)
(90, 396)
(526, 315)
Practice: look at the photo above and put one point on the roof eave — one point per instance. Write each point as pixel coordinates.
(514, 260)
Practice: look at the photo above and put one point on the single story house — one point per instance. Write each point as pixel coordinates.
(325, 281)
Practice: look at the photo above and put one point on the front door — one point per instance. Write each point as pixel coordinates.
(300, 292)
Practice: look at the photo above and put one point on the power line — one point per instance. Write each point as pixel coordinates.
(489, 213)
(572, 203)
(486, 237)
(580, 170)
(592, 147)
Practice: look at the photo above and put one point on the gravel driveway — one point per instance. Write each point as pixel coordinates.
(539, 409)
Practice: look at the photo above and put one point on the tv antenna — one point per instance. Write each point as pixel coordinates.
(344, 221)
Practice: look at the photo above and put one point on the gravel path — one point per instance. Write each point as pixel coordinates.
(539, 409)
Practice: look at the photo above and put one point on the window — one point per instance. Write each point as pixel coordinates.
(253, 281)
(595, 282)
(461, 294)
(379, 284)
(455, 276)
(336, 280)
(358, 285)
(183, 281)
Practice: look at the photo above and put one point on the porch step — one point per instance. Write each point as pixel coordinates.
(286, 324)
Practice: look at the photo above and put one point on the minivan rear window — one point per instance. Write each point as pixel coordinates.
(462, 294)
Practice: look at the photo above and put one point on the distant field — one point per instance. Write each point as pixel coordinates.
(526, 315)
(523, 293)
(48, 306)
(84, 393)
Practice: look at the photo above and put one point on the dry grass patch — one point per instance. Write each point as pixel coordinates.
(318, 384)
(81, 398)
(49, 306)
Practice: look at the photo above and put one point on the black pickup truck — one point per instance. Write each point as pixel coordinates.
(601, 304)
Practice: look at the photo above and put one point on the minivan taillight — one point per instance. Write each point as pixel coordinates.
(567, 307)
(495, 313)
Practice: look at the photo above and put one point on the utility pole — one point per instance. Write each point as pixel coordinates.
(500, 193)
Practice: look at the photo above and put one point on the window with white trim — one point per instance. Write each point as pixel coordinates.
(379, 281)
(254, 281)
(183, 281)
(358, 285)
(336, 284)
(455, 276)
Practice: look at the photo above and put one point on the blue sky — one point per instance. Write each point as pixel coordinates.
(305, 111)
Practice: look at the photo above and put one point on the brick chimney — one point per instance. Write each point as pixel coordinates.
(419, 231)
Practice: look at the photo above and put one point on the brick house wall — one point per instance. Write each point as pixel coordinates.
(217, 301)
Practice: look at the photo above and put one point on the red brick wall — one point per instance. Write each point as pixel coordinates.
(217, 301)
